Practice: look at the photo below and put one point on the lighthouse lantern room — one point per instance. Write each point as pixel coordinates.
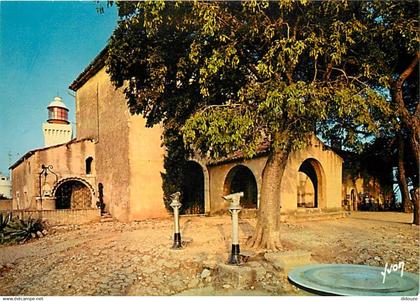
(57, 129)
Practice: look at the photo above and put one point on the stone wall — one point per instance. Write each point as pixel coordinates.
(102, 114)
(129, 155)
(67, 160)
(24, 184)
(62, 217)
(5, 205)
(146, 165)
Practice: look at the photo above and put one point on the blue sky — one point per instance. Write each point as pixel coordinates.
(43, 48)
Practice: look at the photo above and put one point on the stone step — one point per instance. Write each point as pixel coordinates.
(285, 261)
(308, 210)
(107, 220)
(303, 217)
(250, 273)
(106, 217)
(236, 276)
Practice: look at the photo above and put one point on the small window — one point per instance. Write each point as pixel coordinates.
(89, 165)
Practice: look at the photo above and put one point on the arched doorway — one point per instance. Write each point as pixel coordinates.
(73, 194)
(193, 189)
(240, 178)
(311, 186)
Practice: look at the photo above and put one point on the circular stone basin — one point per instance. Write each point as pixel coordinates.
(354, 280)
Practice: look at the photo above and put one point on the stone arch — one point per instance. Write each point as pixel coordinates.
(311, 185)
(195, 191)
(241, 178)
(73, 193)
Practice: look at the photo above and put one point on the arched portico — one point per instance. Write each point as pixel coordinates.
(195, 191)
(240, 178)
(73, 193)
(311, 185)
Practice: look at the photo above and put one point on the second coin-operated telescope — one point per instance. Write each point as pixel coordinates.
(176, 204)
(234, 209)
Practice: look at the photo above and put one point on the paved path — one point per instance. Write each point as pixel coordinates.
(135, 259)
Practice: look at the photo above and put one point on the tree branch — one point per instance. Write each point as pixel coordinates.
(219, 106)
(359, 81)
(398, 94)
(342, 71)
(400, 81)
(315, 70)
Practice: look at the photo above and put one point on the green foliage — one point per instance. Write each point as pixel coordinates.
(229, 75)
(174, 163)
(298, 78)
(389, 46)
(388, 49)
(4, 221)
(17, 230)
(157, 78)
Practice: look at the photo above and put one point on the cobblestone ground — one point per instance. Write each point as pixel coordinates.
(135, 259)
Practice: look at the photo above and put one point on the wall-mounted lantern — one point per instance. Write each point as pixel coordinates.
(44, 172)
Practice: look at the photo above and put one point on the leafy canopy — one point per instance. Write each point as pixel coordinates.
(230, 75)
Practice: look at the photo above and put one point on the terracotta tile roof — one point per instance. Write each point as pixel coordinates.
(239, 155)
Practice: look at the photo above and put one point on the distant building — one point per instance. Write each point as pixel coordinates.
(57, 129)
(5, 187)
(367, 183)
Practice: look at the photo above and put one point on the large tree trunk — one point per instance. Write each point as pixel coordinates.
(413, 127)
(415, 139)
(402, 180)
(416, 201)
(356, 200)
(267, 234)
(411, 122)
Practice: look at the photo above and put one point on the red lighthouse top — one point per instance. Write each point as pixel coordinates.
(57, 111)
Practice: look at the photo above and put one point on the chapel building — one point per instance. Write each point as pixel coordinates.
(116, 159)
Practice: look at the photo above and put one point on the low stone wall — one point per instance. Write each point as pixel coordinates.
(62, 216)
(301, 214)
(5, 205)
(313, 214)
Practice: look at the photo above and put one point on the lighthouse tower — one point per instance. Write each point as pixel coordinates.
(57, 129)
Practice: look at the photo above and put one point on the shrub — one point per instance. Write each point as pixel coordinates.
(4, 222)
(17, 230)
